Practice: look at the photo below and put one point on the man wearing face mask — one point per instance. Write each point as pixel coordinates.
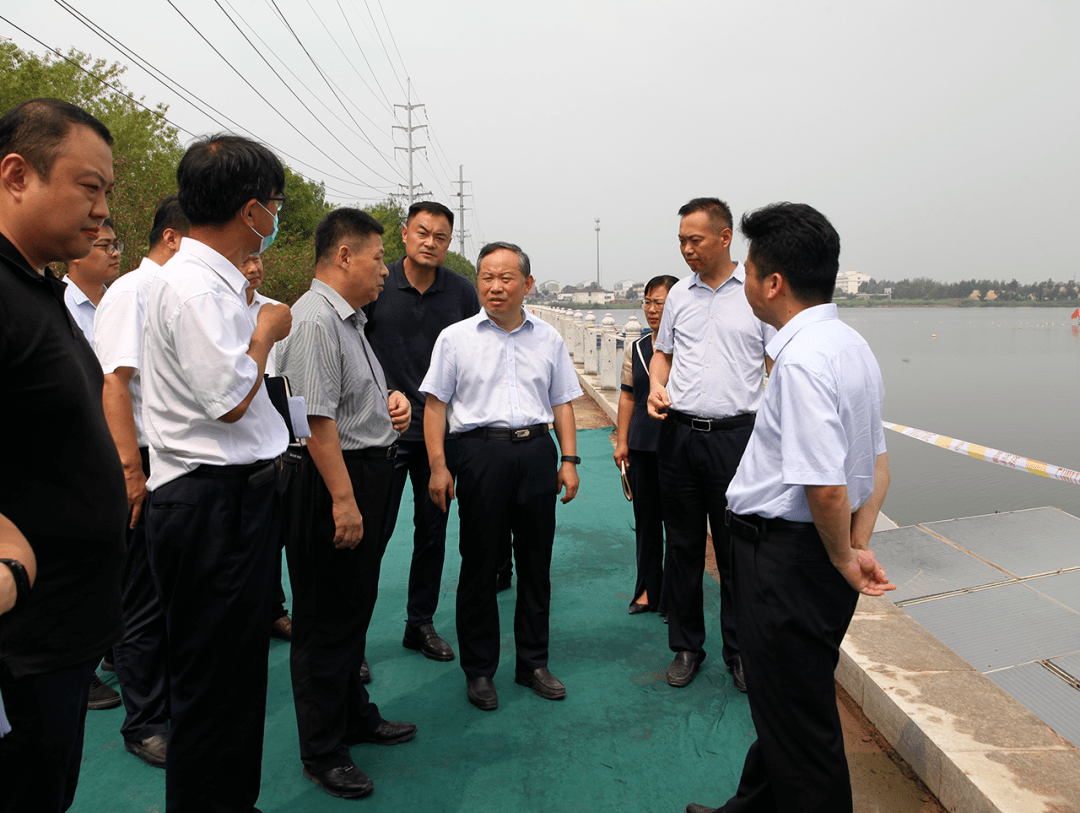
(213, 518)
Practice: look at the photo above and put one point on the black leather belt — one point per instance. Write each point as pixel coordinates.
(751, 526)
(712, 424)
(240, 470)
(384, 453)
(502, 433)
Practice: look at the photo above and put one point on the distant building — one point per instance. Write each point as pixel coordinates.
(592, 297)
(623, 285)
(551, 286)
(849, 283)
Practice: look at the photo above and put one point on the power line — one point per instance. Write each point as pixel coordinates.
(257, 93)
(322, 75)
(383, 44)
(287, 87)
(94, 76)
(175, 87)
(348, 24)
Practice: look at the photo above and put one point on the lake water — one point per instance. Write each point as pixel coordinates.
(1007, 378)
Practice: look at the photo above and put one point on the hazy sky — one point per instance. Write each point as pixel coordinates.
(941, 138)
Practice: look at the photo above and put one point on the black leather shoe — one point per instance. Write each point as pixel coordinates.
(482, 694)
(683, 669)
(151, 750)
(387, 732)
(101, 696)
(427, 641)
(365, 672)
(543, 683)
(694, 807)
(737, 674)
(638, 609)
(346, 782)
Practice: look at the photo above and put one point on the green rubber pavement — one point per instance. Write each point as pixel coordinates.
(621, 740)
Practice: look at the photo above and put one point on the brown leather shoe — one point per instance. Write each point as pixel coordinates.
(282, 629)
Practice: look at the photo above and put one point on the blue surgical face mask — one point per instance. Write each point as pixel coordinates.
(269, 239)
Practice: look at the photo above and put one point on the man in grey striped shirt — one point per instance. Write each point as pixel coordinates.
(335, 537)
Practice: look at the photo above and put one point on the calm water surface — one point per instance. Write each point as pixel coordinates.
(1007, 378)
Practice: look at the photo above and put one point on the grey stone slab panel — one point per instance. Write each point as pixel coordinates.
(921, 565)
(1000, 626)
(1061, 587)
(1045, 695)
(1025, 543)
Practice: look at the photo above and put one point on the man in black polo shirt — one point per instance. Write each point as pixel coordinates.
(62, 485)
(419, 299)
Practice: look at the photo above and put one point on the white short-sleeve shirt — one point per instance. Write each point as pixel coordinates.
(196, 369)
(489, 377)
(819, 423)
(118, 330)
(717, 347)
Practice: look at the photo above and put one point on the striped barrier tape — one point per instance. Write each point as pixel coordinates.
(1011, 461)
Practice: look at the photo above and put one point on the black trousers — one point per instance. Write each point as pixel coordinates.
(794, 608)
(505, 487)
(334, 593)
(429, 527)
(644, 475)
(695, 471)
(141, 654)
(213, 539)
(40, 757)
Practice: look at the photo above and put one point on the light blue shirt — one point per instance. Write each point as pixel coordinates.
(718, 347)
(81, 308)
(819, 423)
(489, 377)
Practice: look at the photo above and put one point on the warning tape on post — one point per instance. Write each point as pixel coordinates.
(1011, 461)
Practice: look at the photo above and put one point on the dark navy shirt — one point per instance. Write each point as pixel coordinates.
(403, 325)
(61, 482)
(644, 432)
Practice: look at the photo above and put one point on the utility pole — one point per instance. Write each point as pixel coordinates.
(411, 193)
(461, 208)
(598, 253)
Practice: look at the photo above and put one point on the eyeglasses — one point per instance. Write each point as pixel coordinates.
(280, 201)
(652, 304)
(111, 247)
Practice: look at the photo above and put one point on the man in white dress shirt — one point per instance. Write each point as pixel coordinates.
(706, 383)
(802, 507)
(86, 278)
(214, 516)
(499, 379)
(140, 656)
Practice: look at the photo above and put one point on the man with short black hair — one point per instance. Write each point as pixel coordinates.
(65, 489)
(337, 512)
(421, 297)
(499, 379)
(86, 279)
(140, 657)
(706, 379)
(213, 515)
(803, 505)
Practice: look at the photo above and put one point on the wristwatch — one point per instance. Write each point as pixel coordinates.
(569, 458)
(22, 582)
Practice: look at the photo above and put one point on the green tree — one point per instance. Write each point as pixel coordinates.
(392, 217)
(146, 148)
(306, 206)
(455, 262)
